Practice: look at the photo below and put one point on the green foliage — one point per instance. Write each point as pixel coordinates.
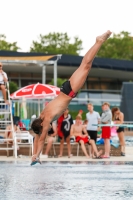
(57, 43)
(120, 46)
(7, 46)
(12, 87)
(60, 81)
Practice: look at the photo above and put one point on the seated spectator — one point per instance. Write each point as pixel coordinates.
(21, 125)
(50, 138)
(76, 130)
(85, 122)
(3, 80)
(64, 125)
(9, 133)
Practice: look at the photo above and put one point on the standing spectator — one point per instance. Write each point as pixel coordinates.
(118, 118)
(106, 118)
(3, 80)
(93, 117)
(64, 125)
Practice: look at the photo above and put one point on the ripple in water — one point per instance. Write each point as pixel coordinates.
(63, 180)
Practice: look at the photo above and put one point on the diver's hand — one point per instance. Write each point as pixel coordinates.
(35, 158)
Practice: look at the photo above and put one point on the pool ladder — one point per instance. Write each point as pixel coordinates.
(5, 120)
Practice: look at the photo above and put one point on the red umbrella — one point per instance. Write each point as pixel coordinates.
(36, 91)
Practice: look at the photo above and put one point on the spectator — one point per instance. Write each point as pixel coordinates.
(118, 118)
(106, 118)
(77, 130)
(9, 132)
(21, 125)
(64, 126)
(3, 80)
(85, 122)
(93, 117)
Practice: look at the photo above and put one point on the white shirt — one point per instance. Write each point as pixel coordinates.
(1, 77)
(92, 119)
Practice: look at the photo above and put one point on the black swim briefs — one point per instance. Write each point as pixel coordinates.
(66, 89)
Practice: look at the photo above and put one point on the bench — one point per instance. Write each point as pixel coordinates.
(77, 151)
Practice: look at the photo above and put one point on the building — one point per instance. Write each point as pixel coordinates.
(106, 74)
(103, 83)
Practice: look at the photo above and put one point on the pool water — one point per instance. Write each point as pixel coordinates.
(129, 140)
(66, 181)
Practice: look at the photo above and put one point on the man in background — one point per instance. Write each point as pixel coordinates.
(93, 117)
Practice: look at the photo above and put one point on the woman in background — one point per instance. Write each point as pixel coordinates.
(118, 118)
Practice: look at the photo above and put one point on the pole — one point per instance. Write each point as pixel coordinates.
(55, 73)
(55, 69)
(38, 107)
(44, 74)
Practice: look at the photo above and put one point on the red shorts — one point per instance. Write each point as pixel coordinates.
(78, 138)
(106, 132)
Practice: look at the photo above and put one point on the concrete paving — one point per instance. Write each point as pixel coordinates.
(127, 158)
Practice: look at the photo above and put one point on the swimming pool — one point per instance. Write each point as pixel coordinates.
(66, 180)
(129, 140)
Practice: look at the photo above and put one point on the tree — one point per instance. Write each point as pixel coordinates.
(60, 81)
(120, 46)
(12, 87)
(7, 46)
(57, 43)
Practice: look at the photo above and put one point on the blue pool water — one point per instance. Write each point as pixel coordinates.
(66, 181)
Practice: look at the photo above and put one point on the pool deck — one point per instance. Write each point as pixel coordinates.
(127, 158)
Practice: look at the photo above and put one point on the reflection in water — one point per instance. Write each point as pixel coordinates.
(64, 180)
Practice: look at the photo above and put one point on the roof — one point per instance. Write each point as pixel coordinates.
(106, 63)
(13, 56)
(69, 60)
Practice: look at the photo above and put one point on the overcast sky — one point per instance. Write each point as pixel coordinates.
(23, 20)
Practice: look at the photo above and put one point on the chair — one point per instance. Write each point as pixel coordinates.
(73, 143)
(24, 135)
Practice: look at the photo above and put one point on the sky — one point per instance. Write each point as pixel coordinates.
(22, 21)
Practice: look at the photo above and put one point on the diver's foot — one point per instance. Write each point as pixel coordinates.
(102, 38)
